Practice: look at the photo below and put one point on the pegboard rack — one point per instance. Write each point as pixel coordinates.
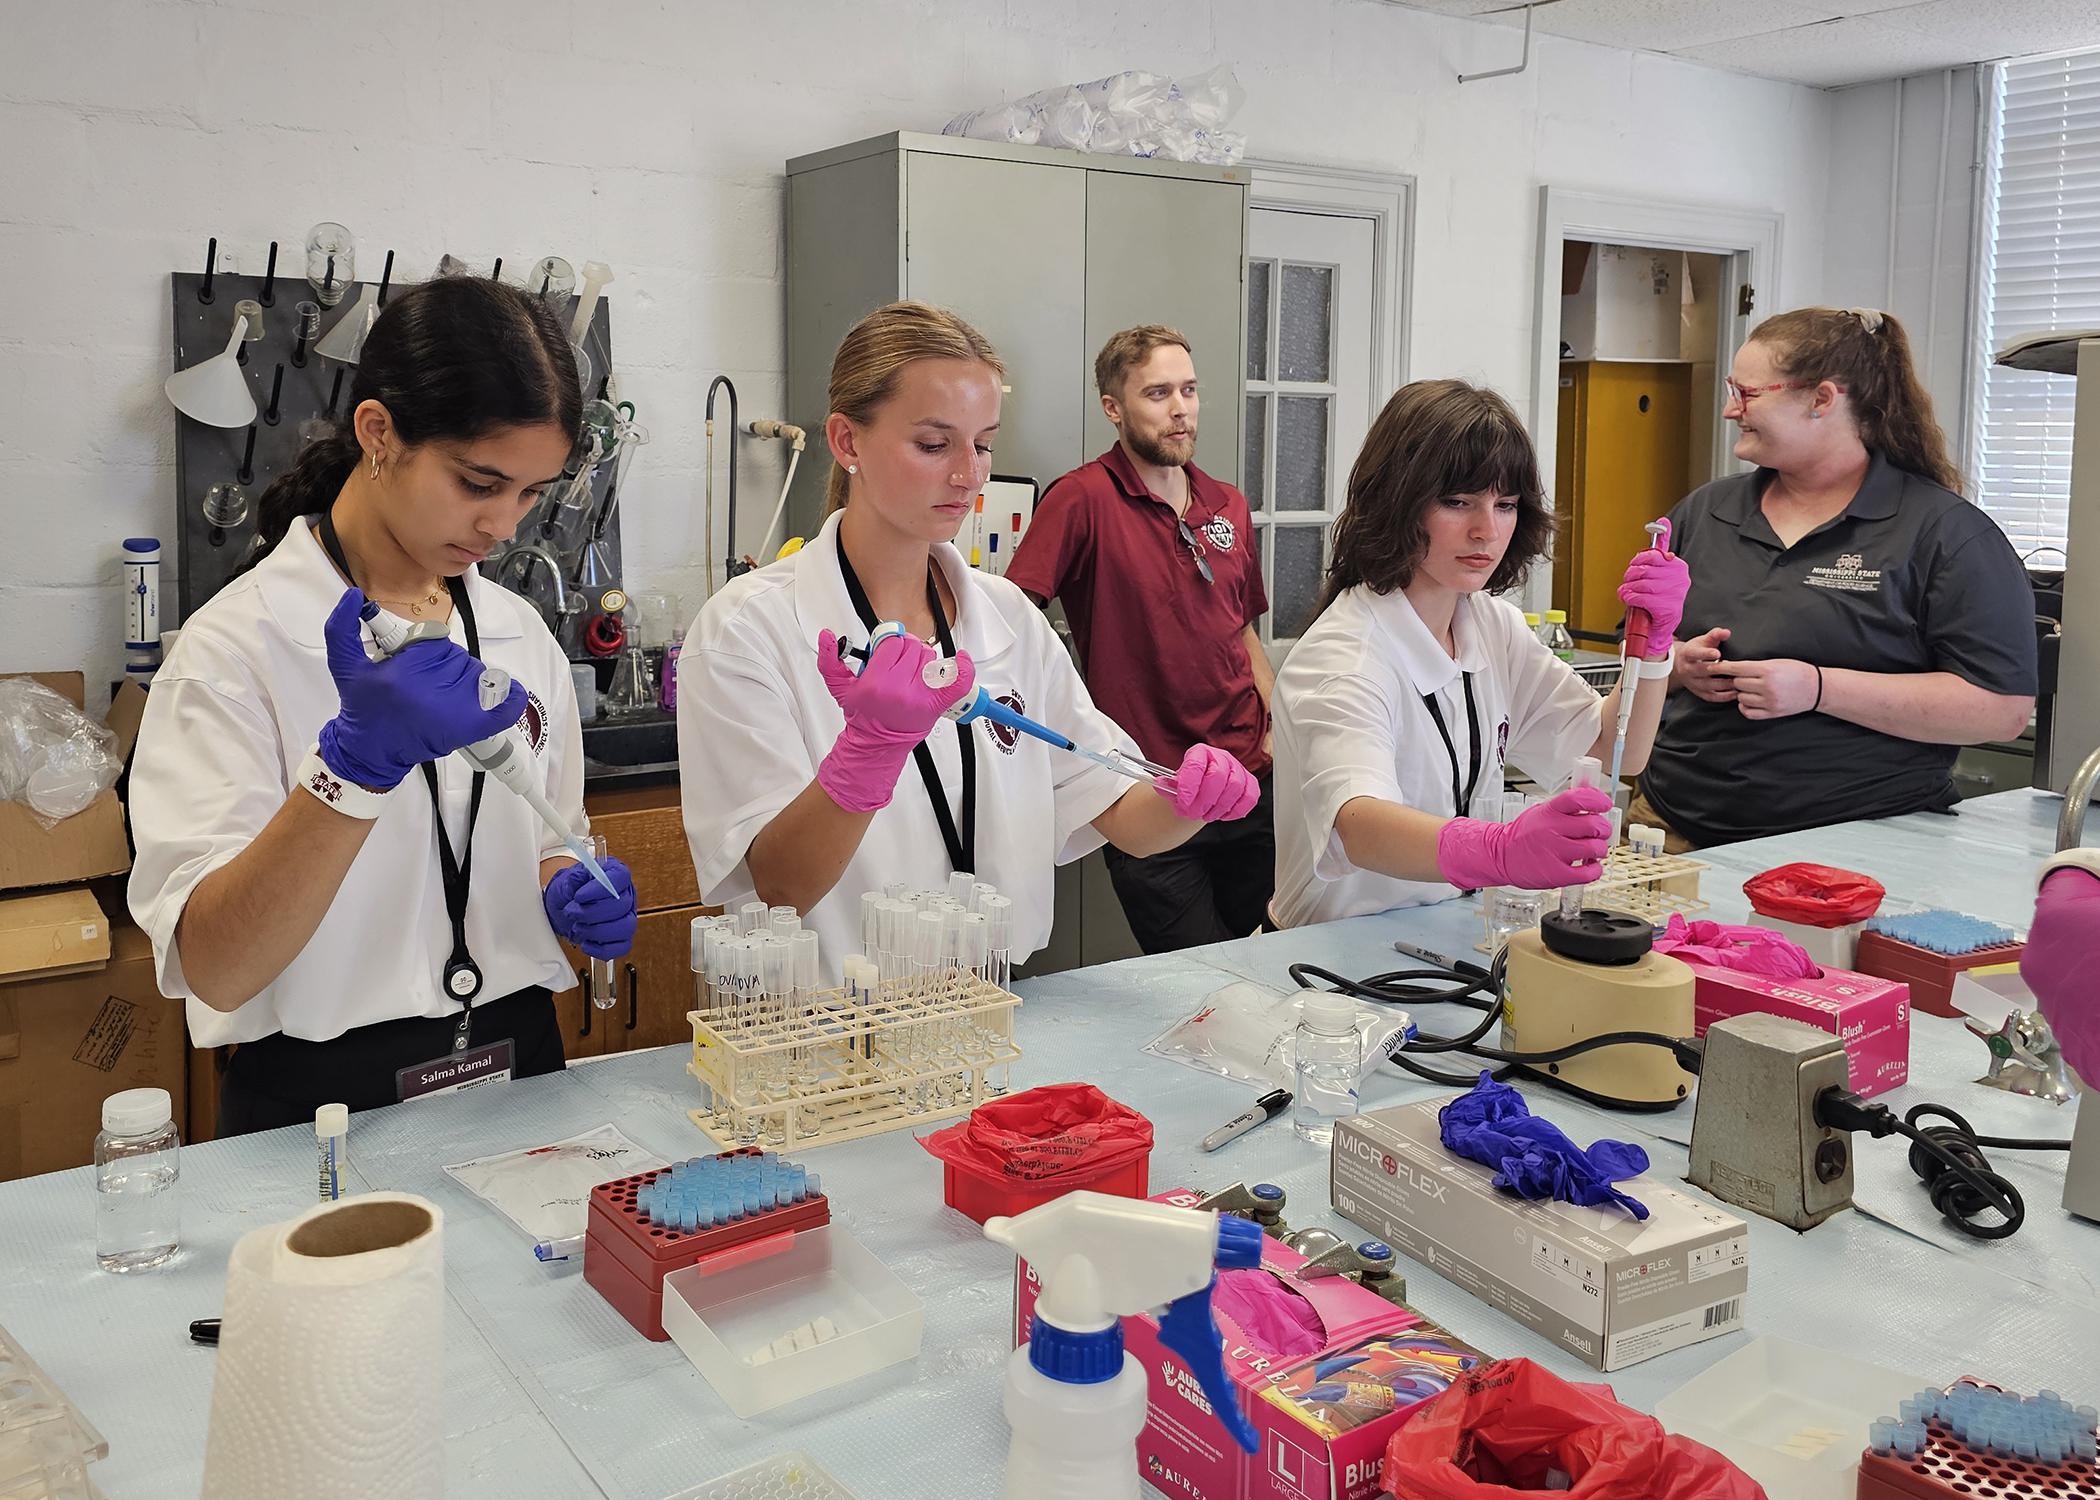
(205, 557)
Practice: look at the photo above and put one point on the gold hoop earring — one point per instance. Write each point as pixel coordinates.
(375, 467)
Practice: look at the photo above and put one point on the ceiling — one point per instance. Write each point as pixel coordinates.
(1825, 43)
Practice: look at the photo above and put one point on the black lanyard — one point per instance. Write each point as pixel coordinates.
(1462, 802)
(962, 848)
(462, 974)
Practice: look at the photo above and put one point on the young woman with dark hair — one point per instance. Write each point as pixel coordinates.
(343, 928)
(1397, 710)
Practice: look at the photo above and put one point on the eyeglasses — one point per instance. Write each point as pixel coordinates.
(1742, 394)
(1195, 545)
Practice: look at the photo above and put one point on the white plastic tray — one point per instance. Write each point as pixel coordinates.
(1791, 1417)
(728, 1321)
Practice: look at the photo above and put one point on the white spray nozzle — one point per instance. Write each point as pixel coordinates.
(596, 273)
(1101, 1258)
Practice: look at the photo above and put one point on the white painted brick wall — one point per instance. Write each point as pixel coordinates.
(652, 136)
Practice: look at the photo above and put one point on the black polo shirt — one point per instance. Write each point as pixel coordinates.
(1907, 578)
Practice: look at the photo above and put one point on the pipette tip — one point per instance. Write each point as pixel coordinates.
(582, 851)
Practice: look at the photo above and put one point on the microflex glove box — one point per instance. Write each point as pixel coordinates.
(1609, 1288)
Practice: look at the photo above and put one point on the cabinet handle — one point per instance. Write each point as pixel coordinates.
(583, 979)
(631, 987)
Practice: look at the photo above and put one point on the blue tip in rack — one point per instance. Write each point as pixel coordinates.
(2040, 1429)
(1950, 932)
(708, 1191)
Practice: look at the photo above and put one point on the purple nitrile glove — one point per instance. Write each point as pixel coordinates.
(587, 914)
(1211, 786)
(1655, 583)
(419, 704)
(1560, 842)
(2058, 961)
(889, 710)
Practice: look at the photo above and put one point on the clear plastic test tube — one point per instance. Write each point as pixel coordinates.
(605, 972)
(1589, 772)
(805, 974)
(870, 908)
(978, 892)
(784, 920)
(999, 935)
(751, 917)
(960, 884)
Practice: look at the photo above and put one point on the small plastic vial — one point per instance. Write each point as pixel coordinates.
(138, 1220)
(332, 1146)
(1555, 635)
(1330, 1057)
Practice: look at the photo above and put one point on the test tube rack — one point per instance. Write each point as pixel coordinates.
(45, 1443)
(1946, 1468)
(626, 1255)
(1655, 886)
(855, 1063)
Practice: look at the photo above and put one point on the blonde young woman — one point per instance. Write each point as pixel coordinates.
(806, 783)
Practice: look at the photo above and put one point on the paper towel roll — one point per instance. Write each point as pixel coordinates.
(330, 1380)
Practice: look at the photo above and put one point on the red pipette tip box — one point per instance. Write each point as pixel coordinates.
(1930, 975)
(627, 1256)
(1946, 1468)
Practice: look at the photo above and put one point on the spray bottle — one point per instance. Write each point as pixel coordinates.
(1075, 1398)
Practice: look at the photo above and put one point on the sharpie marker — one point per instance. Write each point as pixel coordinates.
(1267, 1107)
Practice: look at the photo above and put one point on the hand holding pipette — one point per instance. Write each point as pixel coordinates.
(1653, 592)
(503, 754)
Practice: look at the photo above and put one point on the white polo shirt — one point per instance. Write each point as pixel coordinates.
(1351, 721)
(232, 712)
(755, 719)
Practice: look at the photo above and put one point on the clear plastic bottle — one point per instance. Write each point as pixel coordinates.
(138, 1221)
(1556, 636)
(1330, 1059)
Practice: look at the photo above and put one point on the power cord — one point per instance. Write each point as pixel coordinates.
(1948, 1158)
(1431, 985)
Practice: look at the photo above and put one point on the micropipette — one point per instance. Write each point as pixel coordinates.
(1588, 772)
(1632, 650)
(504, 755)
(979, 704)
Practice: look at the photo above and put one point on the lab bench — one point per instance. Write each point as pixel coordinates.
(549, 1392)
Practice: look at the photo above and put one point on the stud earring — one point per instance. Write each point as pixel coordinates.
(853, 468)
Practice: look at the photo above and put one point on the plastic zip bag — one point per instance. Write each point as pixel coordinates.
(1246, 1032)
(546, 1190)
(53, 758)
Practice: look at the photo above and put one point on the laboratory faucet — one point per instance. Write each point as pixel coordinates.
(540, 551)
(2070, 823)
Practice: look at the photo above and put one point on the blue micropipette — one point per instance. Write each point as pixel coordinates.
(979, 704)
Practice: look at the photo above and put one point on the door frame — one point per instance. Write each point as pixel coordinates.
(1749, 238)
(1387, 199)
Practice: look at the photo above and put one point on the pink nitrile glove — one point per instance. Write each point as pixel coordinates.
(1560, 842)
(889, 710)
(2063, 948)
(1655, 583)
(1211, 786)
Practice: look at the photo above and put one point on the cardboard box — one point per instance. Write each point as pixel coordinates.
(1313, 1447)
(66, 1044)
(1629, 304)
(51, 933)
(1870, 1016)
(1611, 1289)
(92, 842)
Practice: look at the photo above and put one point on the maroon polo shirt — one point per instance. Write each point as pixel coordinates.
(1161, 649)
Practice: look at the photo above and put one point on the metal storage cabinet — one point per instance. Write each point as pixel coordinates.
(1046, 252)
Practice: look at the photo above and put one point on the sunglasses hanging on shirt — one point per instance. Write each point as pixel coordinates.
(1195, 546)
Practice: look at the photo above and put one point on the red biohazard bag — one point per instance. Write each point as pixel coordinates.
(1815, 895)
(1513, 1428)
(1010, 1154)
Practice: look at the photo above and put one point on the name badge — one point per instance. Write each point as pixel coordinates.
(455, 1072)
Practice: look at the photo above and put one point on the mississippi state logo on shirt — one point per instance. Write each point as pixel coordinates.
(1219, 532)
(535, 722)
(1005, 736)
(1502, 741)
